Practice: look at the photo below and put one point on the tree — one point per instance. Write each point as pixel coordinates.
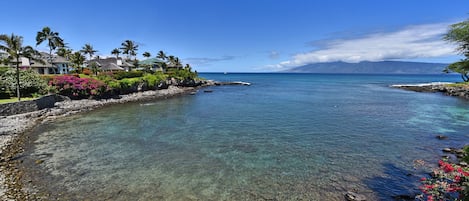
(64, 52)
(77, 60)
(13, 46)
(171, 60)
(94, 68)
(53, 41)
(161, 55)
(146, 55)
(461, 67)
(188, 67)
(459, 34)
(88, 49)
(129, 48)
(116, 52)
(177, 62)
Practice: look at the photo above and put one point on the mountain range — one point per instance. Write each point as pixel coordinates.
(369, 67)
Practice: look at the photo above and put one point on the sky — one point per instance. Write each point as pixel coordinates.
(248, 35)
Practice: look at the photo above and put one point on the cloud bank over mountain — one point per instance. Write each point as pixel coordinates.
(420, 41)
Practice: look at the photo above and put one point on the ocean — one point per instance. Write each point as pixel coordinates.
(285, 137)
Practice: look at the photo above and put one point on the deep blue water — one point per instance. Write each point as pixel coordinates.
(285, 137)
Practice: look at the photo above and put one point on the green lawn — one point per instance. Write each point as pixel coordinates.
(459, 84)
(15, 99)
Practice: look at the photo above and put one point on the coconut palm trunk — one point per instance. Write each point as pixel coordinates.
(18, 76)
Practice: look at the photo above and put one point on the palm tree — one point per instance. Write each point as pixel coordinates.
(188, 67)
(13, 46)
(116, 52)
(32, 54)
(88, 49)
(53, 40)
(171, 60)
(161, 55)
(64, 52)
(177, 62)
(77, 59)
(146, 55)
(130, 48)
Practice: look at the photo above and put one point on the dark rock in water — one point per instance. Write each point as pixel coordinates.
(441, 137)
(351, 196)
(458, 151)
(403, 197)
(208, 91)
(447, 150)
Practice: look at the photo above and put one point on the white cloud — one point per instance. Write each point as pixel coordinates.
(200, 61)
(421, 41)
(274, 54)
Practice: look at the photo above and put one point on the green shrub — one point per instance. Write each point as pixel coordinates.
(127, 83)
(114, 84)
(130, 74)
(30, 82)
(182, 74)
(3, 70)
(153, 80)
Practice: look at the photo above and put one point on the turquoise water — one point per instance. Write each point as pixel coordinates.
(285, 137)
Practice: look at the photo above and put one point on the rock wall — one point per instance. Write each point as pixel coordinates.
(21, 107)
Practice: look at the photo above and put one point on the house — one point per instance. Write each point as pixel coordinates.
(111, 64)
(49, 65)
(155, 64)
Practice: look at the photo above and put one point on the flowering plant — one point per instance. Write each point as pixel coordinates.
(448, 182)
(76, 87)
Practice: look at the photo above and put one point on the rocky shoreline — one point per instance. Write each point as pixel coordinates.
(12, 127)
(448, 89)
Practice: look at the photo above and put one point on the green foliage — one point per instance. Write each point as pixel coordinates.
(459, 84)
(130, 74)
(77, 60)
(30, 82)
(466, 154)
(152, 80)
(94, 68)
(461, 67)
(127, 83)
(182, 74)
(3, 70)
(459, 34)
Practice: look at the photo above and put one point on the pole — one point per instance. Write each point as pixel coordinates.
(18, 76)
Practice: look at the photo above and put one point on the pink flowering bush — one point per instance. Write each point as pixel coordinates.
(449, 182)
(76, 87)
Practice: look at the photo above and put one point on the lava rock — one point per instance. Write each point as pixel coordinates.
(351, 196)
(441, 137)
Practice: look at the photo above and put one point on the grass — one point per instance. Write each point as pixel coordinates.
(15, 99)
(459, 84)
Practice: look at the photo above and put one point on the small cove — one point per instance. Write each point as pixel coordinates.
(286, 137)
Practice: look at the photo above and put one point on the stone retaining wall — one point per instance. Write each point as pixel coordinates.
(29, 106)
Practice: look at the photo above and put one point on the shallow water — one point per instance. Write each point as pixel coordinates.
(285, 137)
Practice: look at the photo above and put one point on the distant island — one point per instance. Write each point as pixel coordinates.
(368, 67)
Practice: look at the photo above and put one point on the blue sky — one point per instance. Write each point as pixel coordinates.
(248, 35)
